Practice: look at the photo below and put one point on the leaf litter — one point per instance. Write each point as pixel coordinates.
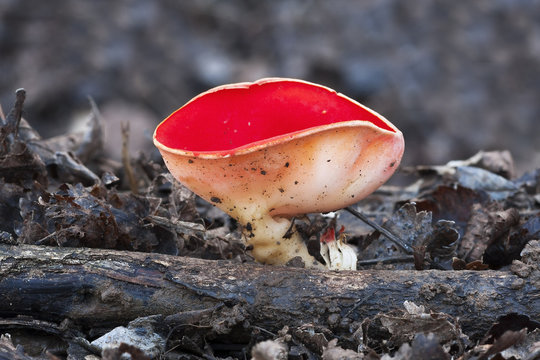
(466, 215)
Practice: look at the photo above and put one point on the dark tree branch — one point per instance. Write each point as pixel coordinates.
(105, 288)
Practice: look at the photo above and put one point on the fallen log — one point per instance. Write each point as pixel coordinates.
(106, 288)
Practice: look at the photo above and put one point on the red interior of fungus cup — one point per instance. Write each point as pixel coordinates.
(240, 115)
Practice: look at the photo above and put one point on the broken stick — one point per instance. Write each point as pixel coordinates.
(107, 288)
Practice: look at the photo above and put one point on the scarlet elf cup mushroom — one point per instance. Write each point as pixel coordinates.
(276, 148)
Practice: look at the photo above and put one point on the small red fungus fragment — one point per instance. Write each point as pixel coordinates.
(328, 236)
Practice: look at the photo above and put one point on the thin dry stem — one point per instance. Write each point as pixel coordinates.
(126, 159)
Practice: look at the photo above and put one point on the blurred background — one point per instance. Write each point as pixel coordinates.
(455, 76)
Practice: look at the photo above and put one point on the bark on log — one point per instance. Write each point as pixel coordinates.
(105, 288)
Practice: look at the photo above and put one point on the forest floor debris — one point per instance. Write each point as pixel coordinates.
(465, 215)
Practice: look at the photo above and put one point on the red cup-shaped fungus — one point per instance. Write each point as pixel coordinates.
(269, 150)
